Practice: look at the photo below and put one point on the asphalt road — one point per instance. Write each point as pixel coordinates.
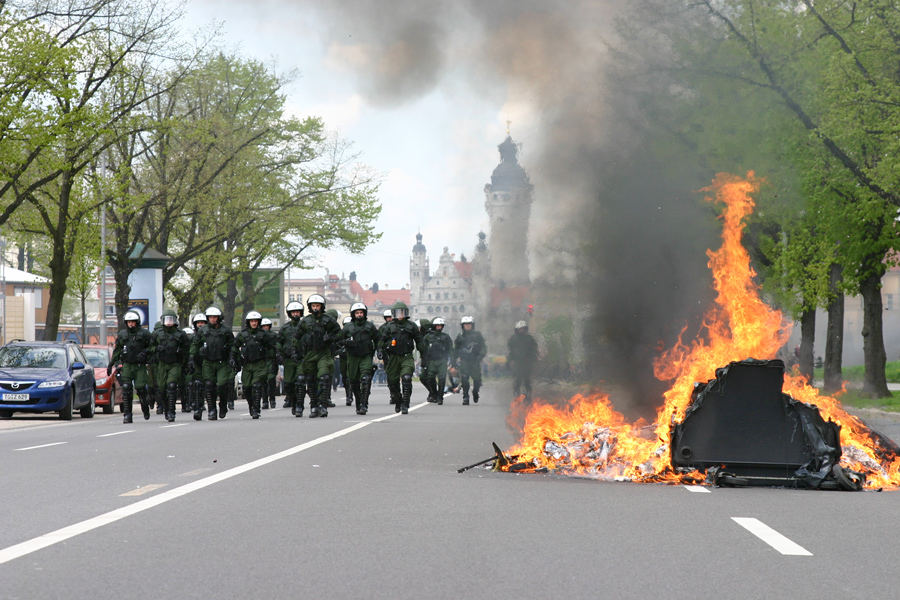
(372, 507)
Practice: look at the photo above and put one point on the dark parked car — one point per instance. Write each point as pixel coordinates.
(108, 394)
(39, 377)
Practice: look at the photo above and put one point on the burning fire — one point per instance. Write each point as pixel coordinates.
(589, 437)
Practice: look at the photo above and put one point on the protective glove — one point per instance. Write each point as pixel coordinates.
(235, 365)
(142, 357)
(109, 370)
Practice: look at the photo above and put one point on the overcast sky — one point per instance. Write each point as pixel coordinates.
(435, 148)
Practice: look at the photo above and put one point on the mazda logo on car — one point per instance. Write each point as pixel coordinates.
(14, 385)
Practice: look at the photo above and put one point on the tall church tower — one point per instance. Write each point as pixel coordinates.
(508, 201)
(418, 273)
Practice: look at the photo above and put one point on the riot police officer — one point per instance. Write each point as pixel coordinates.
(522, 355)
(388, 316)
(317, 334)
(468, 351)
(132, 351)
(212, 348)
(289, 353)
(438, 349)
(269, 396)
(169, 349)
(252, 355)
(342, 364)
(398, 340)
(184, 388)
(359, 338)
(195, 372)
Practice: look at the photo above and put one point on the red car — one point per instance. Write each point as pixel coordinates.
(108, 392)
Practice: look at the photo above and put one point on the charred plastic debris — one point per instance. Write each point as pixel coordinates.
(740, 429)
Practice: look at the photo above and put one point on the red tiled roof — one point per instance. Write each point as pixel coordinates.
(516, 296)
(356, 288)
(463, 268)
(385, 297)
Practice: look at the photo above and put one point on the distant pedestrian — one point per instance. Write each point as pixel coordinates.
(521, 358)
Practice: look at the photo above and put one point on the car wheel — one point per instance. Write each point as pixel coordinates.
(5, 414)
(66, 413)
(111, 407)
(87, 411)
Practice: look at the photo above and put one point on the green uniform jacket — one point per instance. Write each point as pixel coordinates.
(400, 337)
(438, 346)
(170, 345)
(319, 334)
(253, 345)
(132, 346)
(359, 338)
(523, 351)
(286, 345)
(469, 347)
(212, 343)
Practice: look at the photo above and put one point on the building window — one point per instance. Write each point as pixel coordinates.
(429, 296)
(38, 296)
(454, 295)
(462, 308)
(110, 310)
(446, 295)
(446, 309)
(890, 302)
(430, 309)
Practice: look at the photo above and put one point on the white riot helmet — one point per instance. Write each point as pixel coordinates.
(467, 319)
(265, 321)
(253, 315)
(315, 299)
(387, 314)
(438, 321)
(346, 320)
(132, 316)
(212, 311)
(199, 318)
(521, 325)
(292, 306)
(359, 306)
(188, 330)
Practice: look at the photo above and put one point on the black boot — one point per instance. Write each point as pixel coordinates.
(394, 391)
(159, 395)
(324, 395)
(406, 386)
(127, 399)
(272, 393)
(224, 402)
(439, 390)
(313, 391)
(348, 393)
(475, 387)
(171, 401)
(211, 415)
(197, 400)
(258, 392)
(299, 396)
(365, 388)
(288, 395)
(143, 392)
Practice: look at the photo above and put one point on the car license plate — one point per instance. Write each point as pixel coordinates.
(15, 397)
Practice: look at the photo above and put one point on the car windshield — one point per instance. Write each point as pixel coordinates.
(33, 356)
(98, 357)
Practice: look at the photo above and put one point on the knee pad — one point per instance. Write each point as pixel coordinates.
(127, 389)
(406, 378)
(172, 388)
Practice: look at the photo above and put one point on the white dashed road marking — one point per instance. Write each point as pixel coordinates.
(771, 537)
(60, 535)
(41, 446)
(116, 433)
(697, 488)
(144, 490)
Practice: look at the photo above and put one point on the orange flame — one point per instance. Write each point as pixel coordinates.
(588, 437)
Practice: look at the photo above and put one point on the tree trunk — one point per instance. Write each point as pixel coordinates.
(875, 383)
(834, 335)
(807, 341)
(229, 302)
(83, 319)
(60, 260)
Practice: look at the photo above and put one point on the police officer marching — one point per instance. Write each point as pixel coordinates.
(132, 350)
(317, 334)
(169, 349)
(195, 372)
(521, 357)
(342, 364)
(438, 349)
(359, 338)
(269, 396)
(289, 353)
(468, 351)
(398, 340)
(211, 349)
(252, 354)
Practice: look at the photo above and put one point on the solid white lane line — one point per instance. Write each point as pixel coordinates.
(144, 490)
(41, 446)
(771, 537)
(116, 433)
(698, 489)
(173, 425)
(65, 533)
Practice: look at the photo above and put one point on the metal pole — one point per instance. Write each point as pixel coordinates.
(3, 284)
(103, 275)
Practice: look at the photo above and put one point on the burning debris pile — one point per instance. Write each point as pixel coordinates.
(750, 423)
